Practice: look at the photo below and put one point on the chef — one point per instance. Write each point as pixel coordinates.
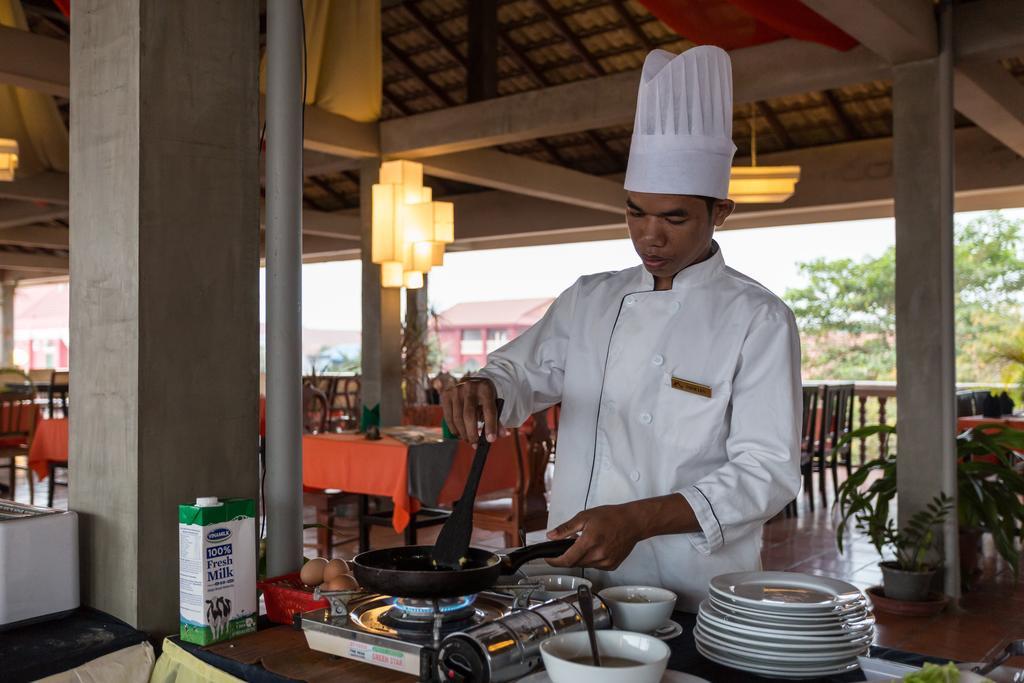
(679, 378)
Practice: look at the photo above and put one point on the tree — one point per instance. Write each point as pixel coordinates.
(847, 310)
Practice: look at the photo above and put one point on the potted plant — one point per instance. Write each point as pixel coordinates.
(988, 486)
(908, 576)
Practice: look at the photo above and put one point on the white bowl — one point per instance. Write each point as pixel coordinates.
(558, 585)
(649, 653)
(639, 608)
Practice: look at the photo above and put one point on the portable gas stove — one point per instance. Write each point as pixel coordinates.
(403, 634)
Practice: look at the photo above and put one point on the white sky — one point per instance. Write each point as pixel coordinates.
(331, 291)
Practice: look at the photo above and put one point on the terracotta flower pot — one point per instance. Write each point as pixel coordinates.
(903, 585)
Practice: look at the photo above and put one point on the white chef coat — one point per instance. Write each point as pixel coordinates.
(608, 350)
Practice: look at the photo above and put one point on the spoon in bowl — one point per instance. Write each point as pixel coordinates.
(586, 602)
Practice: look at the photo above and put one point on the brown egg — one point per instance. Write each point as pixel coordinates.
(336, 568)
(345, 582)
(312, 573)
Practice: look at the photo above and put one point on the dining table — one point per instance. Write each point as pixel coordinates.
(1015, 421)
(49, 445)
(413, 466)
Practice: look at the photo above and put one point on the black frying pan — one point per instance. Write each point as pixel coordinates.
(409, 571)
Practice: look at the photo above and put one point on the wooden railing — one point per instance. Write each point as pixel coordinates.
(876, 404)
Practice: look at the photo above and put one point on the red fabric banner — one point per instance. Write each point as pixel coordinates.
(732, 24)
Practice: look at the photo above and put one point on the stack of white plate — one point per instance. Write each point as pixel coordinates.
(784, 624)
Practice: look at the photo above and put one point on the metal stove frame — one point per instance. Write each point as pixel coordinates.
(330, 630)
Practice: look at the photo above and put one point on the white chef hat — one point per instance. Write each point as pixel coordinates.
(682, 136)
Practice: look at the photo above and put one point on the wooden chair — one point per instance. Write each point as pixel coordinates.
(57, 402)
(836, 422)
(315, 411)
(524, 508)
(965, 404)
(345, 404)
(18, 412)
(808, 422)
(57, 394)
(979, 400)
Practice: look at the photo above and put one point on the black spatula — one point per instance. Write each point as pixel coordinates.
(453, 541)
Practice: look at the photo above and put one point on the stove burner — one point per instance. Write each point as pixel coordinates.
(425, 608)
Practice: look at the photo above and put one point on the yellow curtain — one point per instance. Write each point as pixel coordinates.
(343, 53)
(31, 117)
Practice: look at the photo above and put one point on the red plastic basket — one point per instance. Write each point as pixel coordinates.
(285, 596)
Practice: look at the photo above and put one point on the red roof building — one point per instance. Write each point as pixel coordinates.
(41, 321)
(471, 330)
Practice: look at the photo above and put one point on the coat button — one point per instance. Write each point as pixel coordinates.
(606, 463)
(658, 359)
(645, 418)
(630, 300)
(675, 306)
(634, 475)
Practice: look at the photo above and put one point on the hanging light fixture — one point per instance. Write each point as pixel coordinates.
(761, 184)
(409, 229)
(8, 159)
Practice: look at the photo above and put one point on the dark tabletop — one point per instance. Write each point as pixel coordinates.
(684, 657)
(48, 647)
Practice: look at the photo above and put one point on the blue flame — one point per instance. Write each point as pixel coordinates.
(446, 608)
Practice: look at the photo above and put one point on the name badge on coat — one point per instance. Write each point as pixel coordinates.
(691, 387)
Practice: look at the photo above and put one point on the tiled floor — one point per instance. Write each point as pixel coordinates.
(988, 616)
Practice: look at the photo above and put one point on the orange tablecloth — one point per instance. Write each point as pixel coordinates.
(1012, 421)
(49, 443)
(381, 468)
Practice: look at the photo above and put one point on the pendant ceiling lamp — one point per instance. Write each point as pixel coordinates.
(761, 184)
(8, 159)
(410, 229)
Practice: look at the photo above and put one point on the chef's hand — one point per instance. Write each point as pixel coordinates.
(607, 535)
(463, 405)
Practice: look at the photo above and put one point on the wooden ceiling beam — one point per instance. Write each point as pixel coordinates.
(903, 31)
(778, 130)
(45, 236)
(520, 175)
(987, 30)
(761, 72)
(993, 99)
(835, 107)
(569, 36)
(426, 24)
(33, 263)
(48, 186)
(14, 213)
(410, 66)
(35, 62)
(632, 25)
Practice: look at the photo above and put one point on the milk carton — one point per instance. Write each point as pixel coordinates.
(217, 569)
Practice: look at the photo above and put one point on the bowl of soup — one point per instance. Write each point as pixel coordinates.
(639, 608)
(625, 656)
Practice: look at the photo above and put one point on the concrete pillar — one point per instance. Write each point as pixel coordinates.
(7, 323)
(382, 318)
(164, 284)
(925, 343)
(417, 322)
(284, 286)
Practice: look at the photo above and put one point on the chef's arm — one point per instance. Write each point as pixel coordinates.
(608, 533)
(763, 446)
(526, 373)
